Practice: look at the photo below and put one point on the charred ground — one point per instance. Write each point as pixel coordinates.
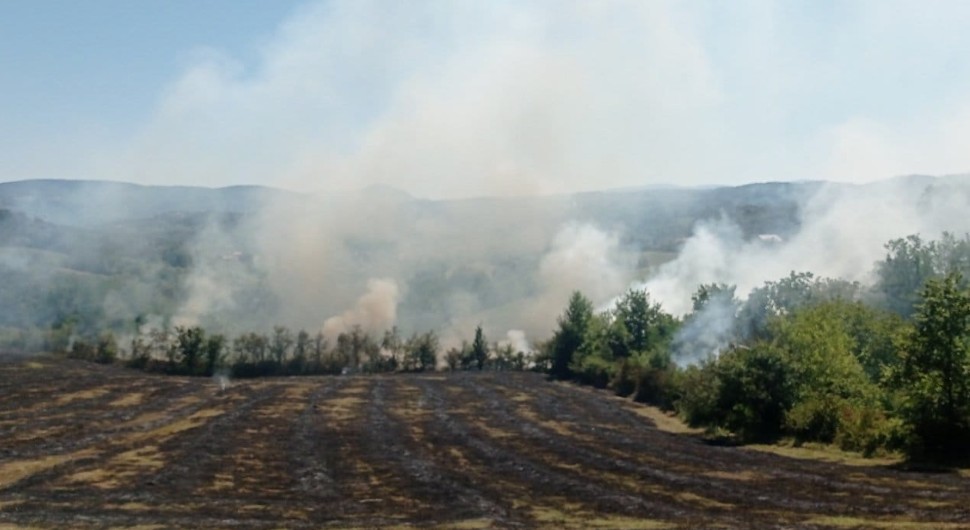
(92, 446)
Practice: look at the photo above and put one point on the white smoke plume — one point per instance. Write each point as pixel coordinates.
(843, 234)
(517, 340)
(375, 310)
(706, 332)
(586, 259)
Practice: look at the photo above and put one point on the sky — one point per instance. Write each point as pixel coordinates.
(456, 98)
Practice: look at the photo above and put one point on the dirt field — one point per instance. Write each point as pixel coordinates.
(89, 446)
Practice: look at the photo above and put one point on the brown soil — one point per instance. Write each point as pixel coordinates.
(90, 446)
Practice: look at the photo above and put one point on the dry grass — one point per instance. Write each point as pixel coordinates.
(119, 469)
(130, 400)
(743, 476)
(665, 421)
(13, 472)
(857, 522)
(91, 393)
(824, 453)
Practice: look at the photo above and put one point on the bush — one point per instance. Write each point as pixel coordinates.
(755, 392)
(867, 429)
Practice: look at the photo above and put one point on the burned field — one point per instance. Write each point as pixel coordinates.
(89, 446)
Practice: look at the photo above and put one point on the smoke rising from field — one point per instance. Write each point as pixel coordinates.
(375, 311)
(517, 340)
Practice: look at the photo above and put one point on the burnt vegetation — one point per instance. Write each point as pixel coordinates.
(87, 445)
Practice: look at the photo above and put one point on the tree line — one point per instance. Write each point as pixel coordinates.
(875, 369)
(190, 350)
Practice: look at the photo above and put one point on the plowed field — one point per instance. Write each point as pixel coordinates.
(90, 446)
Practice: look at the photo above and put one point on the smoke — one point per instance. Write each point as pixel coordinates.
(843, 234)
(517, 340)
(375, 310)
(587, 259)
(442, 99)
(707, 331)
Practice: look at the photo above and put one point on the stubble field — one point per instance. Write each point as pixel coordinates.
(83, 445)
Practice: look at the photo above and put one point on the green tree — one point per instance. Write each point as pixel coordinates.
(901, 275)
(755, 391)
(593, 362)
(422, 352)
(569, 337)
(107, 349)
(320, 346)
(301, 353)
(708, 293)
(190, 346)
(250, 348)
(280, 344)
(395, 347)
(935, 371)
(828, 378)
(643, 326)
(479, 349)
(215, 347)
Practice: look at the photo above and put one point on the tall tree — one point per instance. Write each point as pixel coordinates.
(280, 344)
(936, 370)
(479, 351)
(214, 353)
(422, 352)
(190, 344)
(301, 352)
(908, 264)
(569, 337)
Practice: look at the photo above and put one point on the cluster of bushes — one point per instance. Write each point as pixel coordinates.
(190, 350)
(820, 360)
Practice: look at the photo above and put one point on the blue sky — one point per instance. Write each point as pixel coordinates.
(451, 98)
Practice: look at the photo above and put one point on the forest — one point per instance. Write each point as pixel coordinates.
(876, 369)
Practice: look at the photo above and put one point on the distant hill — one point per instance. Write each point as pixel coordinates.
(85, 202)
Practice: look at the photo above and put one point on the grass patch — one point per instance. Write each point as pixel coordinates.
(10, 504)
(743, 476)
(13, 472)
(572, 516)
(92, 393)
(824, 453)
(128, 401)
(122, 467)
(665, 421)
(857, 522)
(469, 524)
